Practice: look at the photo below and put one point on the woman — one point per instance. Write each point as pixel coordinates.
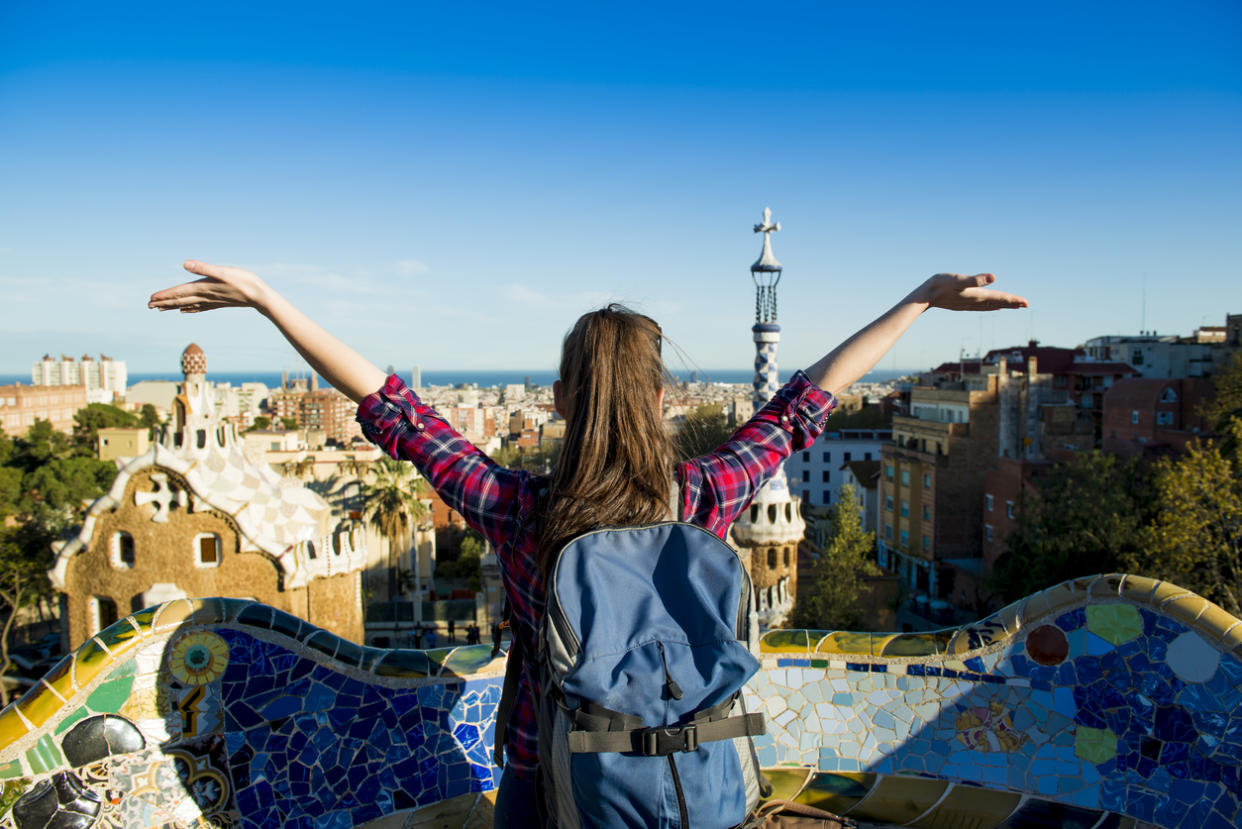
(616, 466)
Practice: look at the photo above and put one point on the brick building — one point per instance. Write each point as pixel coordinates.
(1149, 415)
(21, 406)
(325, 410)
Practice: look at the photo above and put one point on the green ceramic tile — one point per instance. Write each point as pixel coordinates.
(68, 721)
(1095, 745)
(11, 769)
(109, 697)
(784, 641)
(1117, 623)
(468, 659)
(44, 756)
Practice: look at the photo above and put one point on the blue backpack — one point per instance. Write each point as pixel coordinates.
(643, 652)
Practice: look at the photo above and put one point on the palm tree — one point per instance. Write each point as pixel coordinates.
(393, 507)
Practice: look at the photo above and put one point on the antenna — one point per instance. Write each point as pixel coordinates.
(1143, 312)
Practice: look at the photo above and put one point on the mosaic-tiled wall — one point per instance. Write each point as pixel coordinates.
(1107, 702)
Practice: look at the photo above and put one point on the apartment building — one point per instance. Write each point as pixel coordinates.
(817, 474)
(21, 406)
(103, 379)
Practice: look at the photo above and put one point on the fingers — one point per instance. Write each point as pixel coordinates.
(204, 269)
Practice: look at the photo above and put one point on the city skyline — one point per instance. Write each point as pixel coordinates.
(423, 181)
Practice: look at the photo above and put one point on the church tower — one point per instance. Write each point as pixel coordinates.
(769, 532)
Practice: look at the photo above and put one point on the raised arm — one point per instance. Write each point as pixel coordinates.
(849, 361)
(225, 287)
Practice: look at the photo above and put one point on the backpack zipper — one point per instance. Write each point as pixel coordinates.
(674, 690)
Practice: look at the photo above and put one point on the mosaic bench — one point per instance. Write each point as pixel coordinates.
(1103, 702)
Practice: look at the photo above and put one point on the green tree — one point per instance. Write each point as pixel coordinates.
(1084, 517)
(89, 420)
(393, 507)
(40, 444)
(149, 418)
(23, 581)
(1226, 405)
(466, 565)
(289, 422)
(832, 599)
(260, 422)
(1195, 540)
(701, 431)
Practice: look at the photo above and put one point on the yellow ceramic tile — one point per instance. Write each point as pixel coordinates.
(836, 792)
(38, 705)
(11, 728)
(898, 800)
(1185, 609)
(90, 659)
(784, 641)
(1009, 617)
(1164, 591)
(916, 644)
(120, 637)
(970, 806)
(1139, 588)
(1215, 621)
(60, 678)
(1063, 596)
(452, 812)
(1106, 587)
(786, 783)
(1232, 638)
(173, 613)
(1034, 608)
(845, 642)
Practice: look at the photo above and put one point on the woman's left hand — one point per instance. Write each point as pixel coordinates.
(956, 292)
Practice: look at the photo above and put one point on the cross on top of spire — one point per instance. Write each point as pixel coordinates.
(767, 262)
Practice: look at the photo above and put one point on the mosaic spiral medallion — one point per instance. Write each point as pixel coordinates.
(198, 658)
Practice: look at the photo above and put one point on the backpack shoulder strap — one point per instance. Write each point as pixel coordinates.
(513, 675)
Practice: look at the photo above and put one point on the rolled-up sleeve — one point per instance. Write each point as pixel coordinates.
(405, 428)
(718, 486)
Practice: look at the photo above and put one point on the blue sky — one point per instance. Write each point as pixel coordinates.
(452, 184)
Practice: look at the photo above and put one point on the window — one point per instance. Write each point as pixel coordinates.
(1164, 418)
(905, 538)
(888, 503)
(806, 496)
(926, 542)
(200, 438)
(827, 457)
(888, 471)
(1009, 509)
(926, 480)
(102, 613)
(827, 476)
(786, 556)
(905, 477)
(827, 493)
(771, 559)
(1168, 395)
(926, 513)
(847, 457)
(905, 509)
(888, 531)
(806, 457)
(987, 502)
(208, 549)
(987, 531)
(1134, 417)
(866, 456)
(122, 550)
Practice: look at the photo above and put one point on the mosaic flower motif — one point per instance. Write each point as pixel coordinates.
(198, 658)
(988, 729)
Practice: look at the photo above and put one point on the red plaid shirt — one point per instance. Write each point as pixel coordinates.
(500, 503)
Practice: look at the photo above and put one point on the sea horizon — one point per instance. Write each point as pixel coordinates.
(483, 378)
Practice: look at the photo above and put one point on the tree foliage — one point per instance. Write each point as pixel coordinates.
(1084, 517)
(701, 432)
(832, 599)
(1195, 539)
(393, 507)
(88, 420)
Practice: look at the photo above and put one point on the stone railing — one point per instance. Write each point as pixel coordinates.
(1100, 702)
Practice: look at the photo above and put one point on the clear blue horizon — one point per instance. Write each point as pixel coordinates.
(448, 185)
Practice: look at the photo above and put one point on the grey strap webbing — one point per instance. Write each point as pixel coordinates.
(660, 740)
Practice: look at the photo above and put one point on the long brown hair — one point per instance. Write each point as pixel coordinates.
(615, 466)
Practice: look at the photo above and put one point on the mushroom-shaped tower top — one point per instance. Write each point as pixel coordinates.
(193, 360)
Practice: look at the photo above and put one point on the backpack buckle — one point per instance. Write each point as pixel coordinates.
(660, 741)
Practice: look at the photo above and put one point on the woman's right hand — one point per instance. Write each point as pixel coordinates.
(221, 287)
